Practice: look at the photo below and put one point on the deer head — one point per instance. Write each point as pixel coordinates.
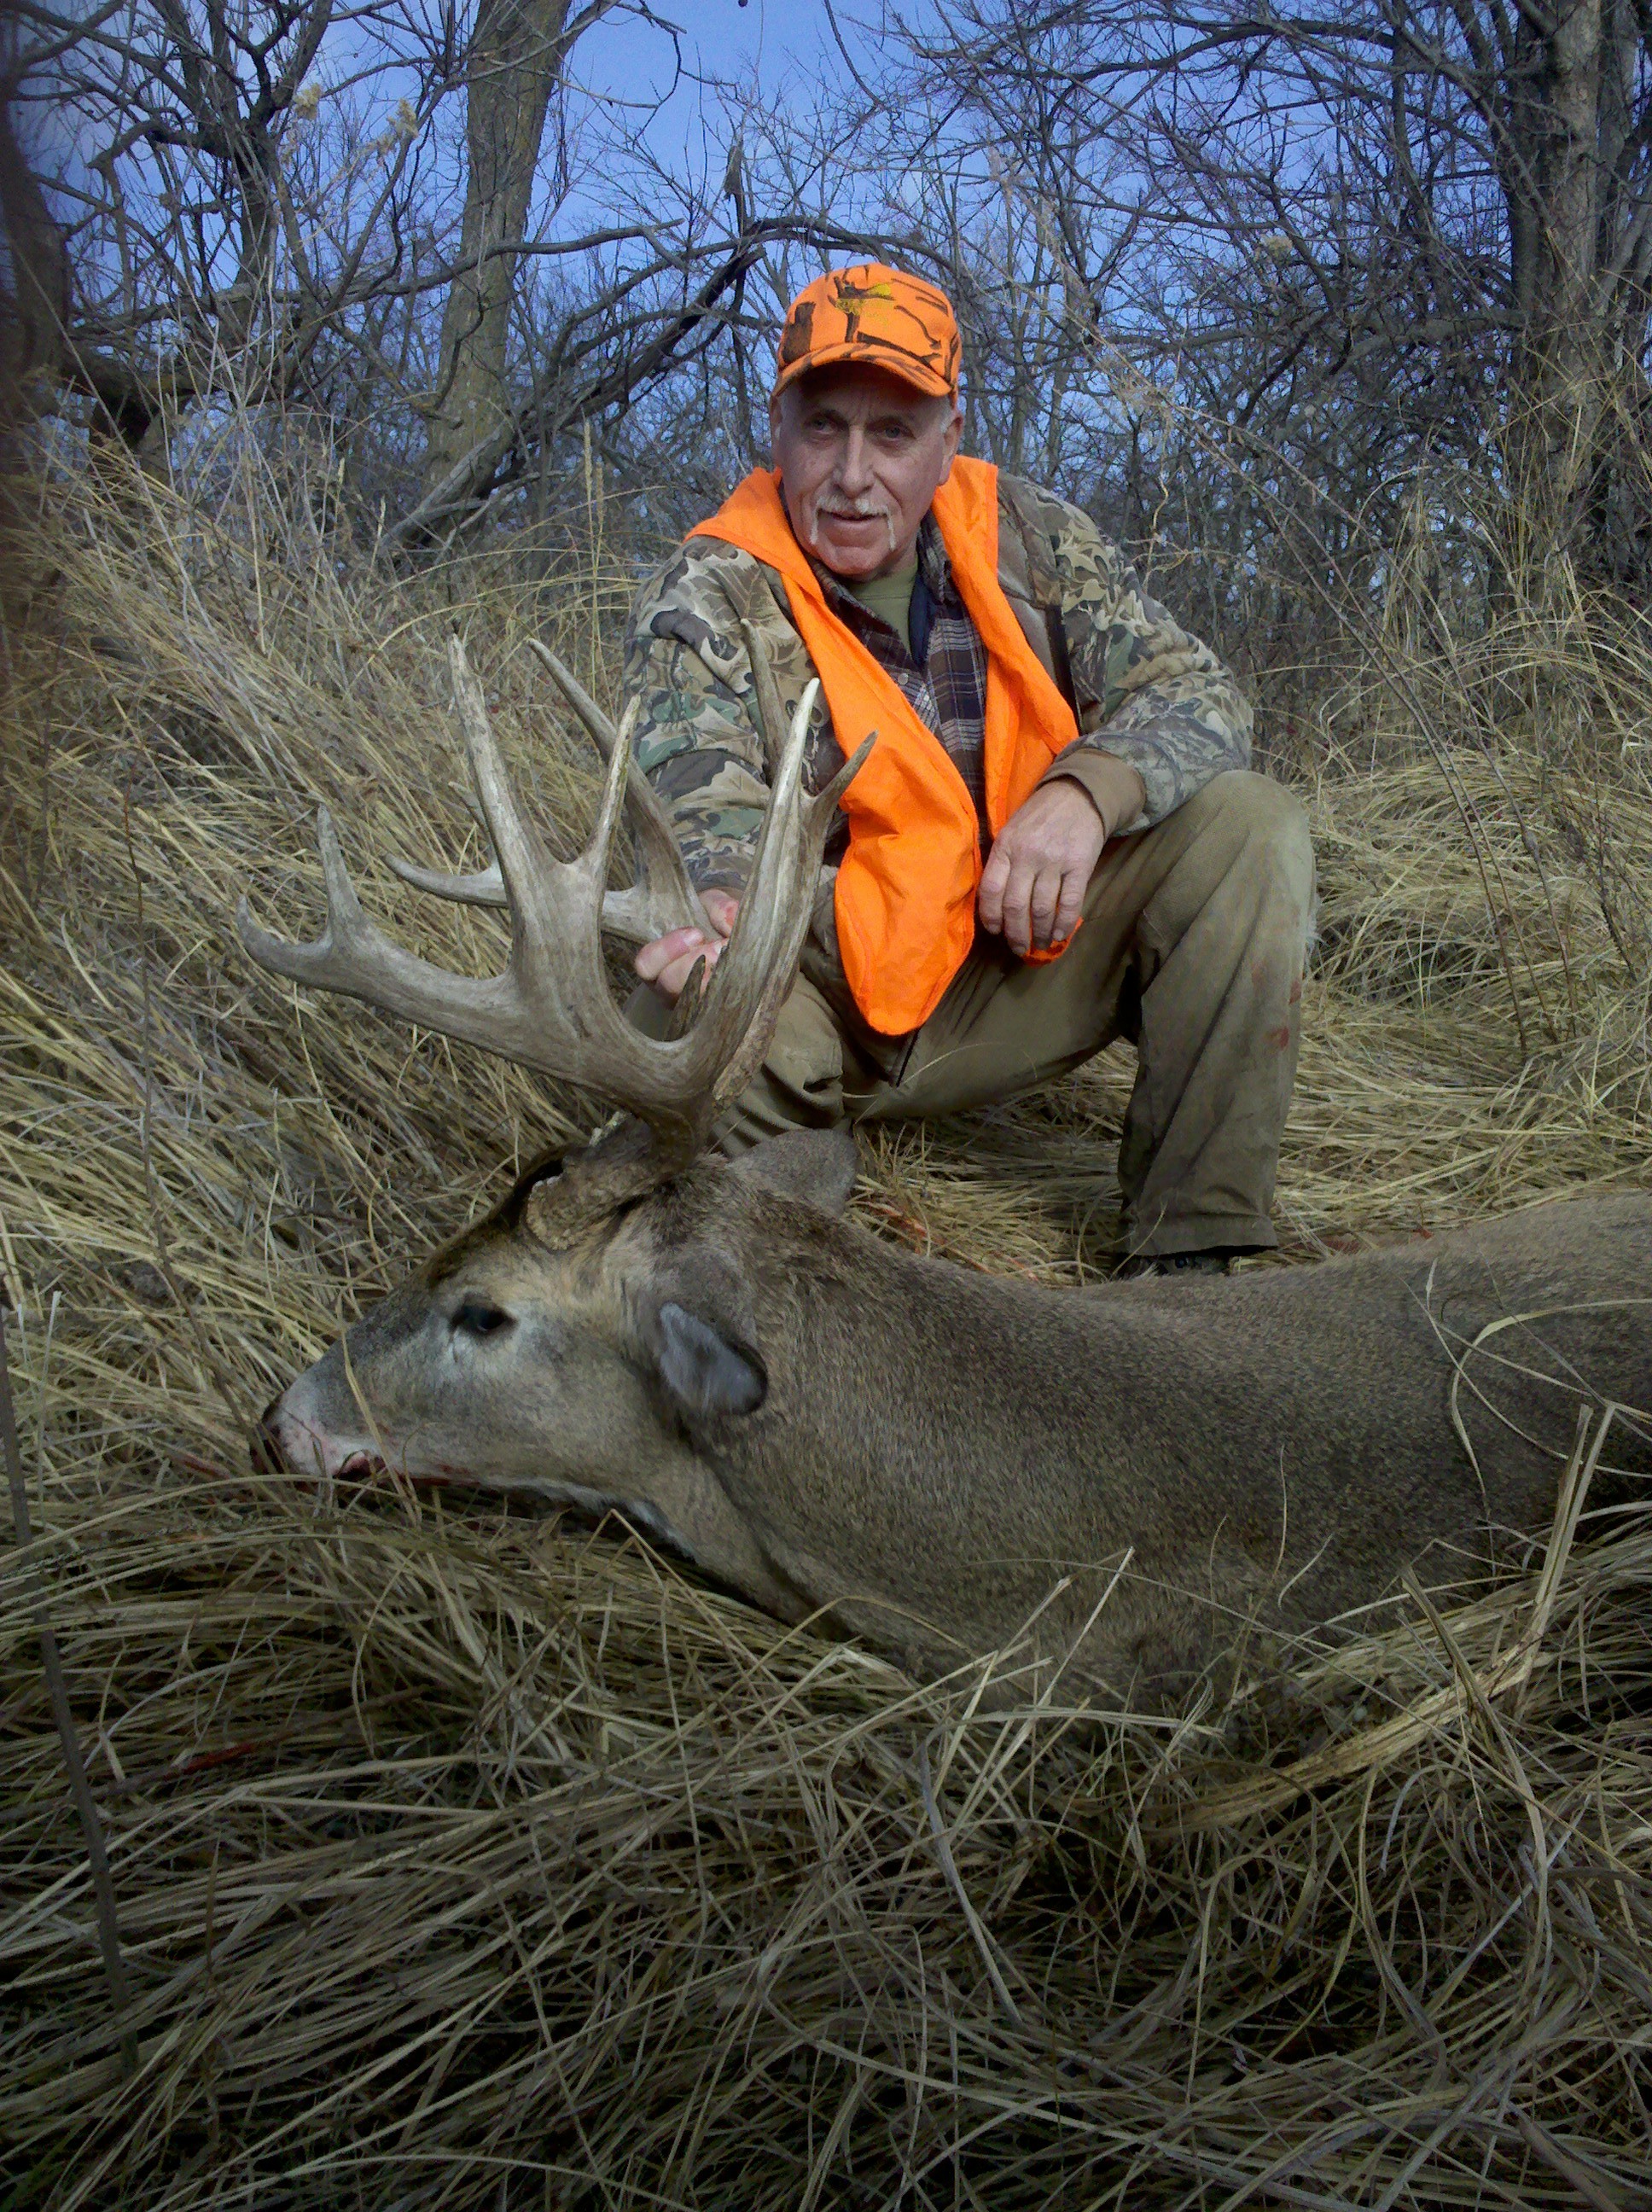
(535, 1348)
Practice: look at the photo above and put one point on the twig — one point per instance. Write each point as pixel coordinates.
(103, 1888)
(1568, 1510)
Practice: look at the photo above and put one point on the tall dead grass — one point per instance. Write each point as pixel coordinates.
(462, 1856)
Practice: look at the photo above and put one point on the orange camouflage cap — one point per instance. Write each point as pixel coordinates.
(878, 316)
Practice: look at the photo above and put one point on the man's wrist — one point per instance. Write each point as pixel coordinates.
(1113, 787)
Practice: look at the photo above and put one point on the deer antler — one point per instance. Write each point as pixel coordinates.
(551, 1009)
(661, 899)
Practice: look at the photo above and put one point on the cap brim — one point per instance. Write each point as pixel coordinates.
(868, 353)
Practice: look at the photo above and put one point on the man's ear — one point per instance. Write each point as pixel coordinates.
(703, 1373)
(819, 1165)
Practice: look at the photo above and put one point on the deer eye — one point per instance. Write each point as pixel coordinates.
(476, 1318)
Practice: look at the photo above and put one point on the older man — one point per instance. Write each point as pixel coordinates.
(1056, 841)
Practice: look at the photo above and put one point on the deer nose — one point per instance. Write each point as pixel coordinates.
(268, 1457)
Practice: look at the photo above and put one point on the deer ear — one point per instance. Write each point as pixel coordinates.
(819, 1165)
(702, 1370)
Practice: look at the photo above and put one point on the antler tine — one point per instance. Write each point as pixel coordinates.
(601, 730)
(352, 956)
(750, 980)
(550, 1009)
(325, 957)
(771, 712)
(774, 956)
(662, 898)
(485, 888)
(518, 852)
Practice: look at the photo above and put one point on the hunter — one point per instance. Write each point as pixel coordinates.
(1056, 841)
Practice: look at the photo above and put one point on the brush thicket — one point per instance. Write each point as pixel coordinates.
(463, 1856)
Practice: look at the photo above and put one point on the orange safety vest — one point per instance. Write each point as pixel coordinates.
(905, 900)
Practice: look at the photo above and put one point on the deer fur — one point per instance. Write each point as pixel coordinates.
(944, 1461)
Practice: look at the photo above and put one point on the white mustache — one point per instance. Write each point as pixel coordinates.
(854, 510)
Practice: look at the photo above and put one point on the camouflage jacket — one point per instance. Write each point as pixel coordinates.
(1146, 691)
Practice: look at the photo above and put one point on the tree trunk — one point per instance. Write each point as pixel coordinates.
(1564, 289)
(34, 281)
(517, 53)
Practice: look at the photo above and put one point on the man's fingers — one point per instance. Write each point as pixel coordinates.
(1074, 885)
(990, 898)
(653, 960)
(672, 978)
(1017, 902)
(668, 962)
(1045, 903)
(672, 983)
(1033, 886)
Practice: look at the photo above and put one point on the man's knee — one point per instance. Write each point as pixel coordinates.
(800, 1083)
(1247, 807)
(1249, 822)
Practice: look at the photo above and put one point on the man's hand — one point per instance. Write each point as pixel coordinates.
(1033, 886)
(668, 962)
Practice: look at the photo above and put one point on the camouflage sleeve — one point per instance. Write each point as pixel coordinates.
(1148, 691)
(697, 735)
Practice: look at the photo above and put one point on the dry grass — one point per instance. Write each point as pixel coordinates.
(470, 1858)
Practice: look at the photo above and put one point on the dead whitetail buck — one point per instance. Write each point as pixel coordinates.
(940, 1460)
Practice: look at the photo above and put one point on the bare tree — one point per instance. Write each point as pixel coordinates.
(343, 206)
(195, 264)
(1448, 203)
(517, 52)
(34, 278)
(1346, 241)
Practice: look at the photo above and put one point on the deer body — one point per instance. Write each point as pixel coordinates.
(939, 1449)
(937, 1457)
(1133, 1476)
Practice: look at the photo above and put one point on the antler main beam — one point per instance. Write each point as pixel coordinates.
(550, 1008)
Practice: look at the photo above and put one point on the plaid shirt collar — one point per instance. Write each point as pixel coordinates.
(943, 677)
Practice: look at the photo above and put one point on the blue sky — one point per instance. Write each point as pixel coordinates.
(771, 38)
(778, 45)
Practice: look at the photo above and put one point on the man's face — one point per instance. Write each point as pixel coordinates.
(862, 455)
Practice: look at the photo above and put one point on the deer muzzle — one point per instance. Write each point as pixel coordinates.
(296, 1436)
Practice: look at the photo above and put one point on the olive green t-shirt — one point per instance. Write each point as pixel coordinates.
(889, 598)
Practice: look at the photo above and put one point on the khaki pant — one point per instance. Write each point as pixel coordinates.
(1191, 948)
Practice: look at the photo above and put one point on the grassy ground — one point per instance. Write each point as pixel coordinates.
(464, 1856)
